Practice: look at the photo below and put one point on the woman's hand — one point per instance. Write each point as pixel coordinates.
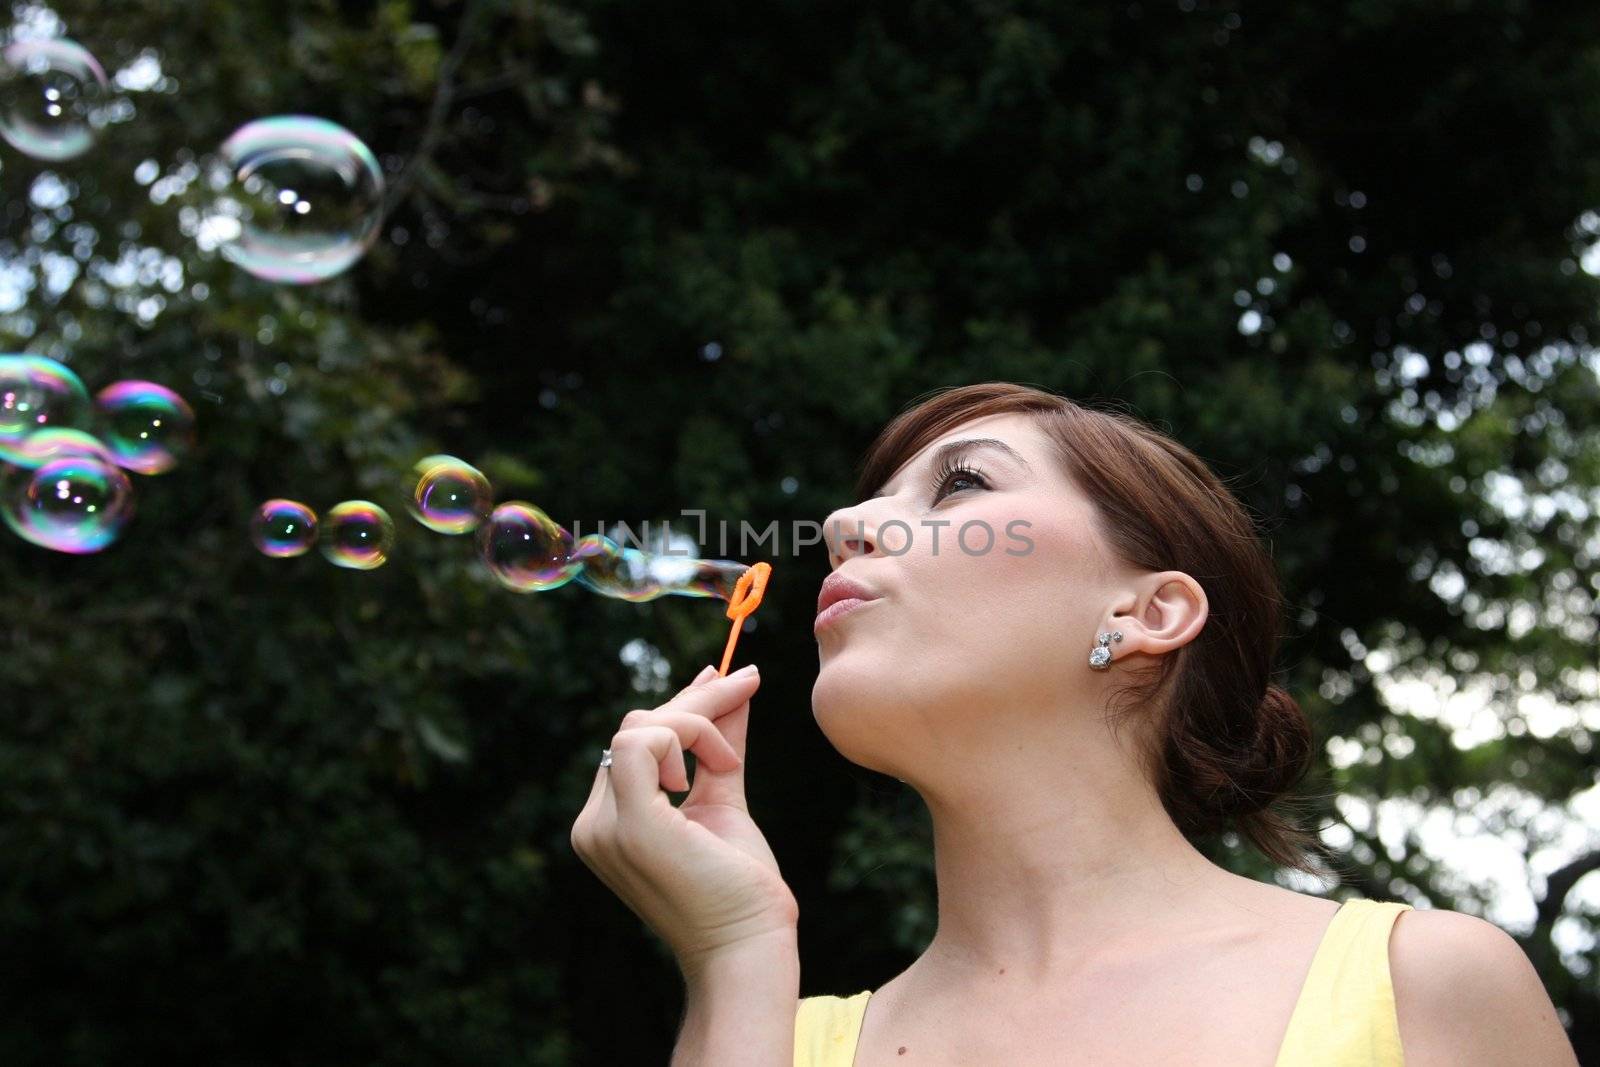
(700, 874)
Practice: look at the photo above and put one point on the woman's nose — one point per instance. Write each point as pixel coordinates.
(848, 533)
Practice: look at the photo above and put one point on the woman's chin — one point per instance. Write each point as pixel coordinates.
(842, 691)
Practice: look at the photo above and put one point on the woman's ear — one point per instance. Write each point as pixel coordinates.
(1170, 614)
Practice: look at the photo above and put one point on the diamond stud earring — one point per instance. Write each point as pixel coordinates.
(1101, 656)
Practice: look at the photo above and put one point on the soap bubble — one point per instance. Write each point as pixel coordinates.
(70, 503)
(525, 549)
(52, 442)
(293, 199)
(149, 426)
(614, 571)
(283, 528)
(65, 400)
(19, 399)
(682, 576)
(448, 495)
(636, 576)
(49, 88)
(357, 534)
(36, 392)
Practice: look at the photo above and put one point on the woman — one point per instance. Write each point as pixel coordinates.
(1064, 640)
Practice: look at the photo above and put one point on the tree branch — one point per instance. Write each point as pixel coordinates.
(439, 111)
(1560, 883)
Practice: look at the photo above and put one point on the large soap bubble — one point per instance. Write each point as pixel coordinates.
(36, 392)
(357, 534)
(49, 89)
(448, 495)
(526, 550)
(73, 502)
(615, 571)
(149, 427)
(293, 199)
(53, 442)
(635, 575)
(685, 576)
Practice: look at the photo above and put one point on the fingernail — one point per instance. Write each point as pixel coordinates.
(744, 672)
(705, 672)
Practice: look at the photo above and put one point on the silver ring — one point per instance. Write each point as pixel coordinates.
(605, 757)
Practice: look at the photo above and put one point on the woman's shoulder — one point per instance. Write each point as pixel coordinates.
(1465, 992)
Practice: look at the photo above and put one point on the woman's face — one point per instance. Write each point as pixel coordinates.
(990, 590)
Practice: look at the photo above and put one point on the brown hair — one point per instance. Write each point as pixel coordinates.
(1225, 746)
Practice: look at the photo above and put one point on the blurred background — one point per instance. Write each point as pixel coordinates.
(641, 258)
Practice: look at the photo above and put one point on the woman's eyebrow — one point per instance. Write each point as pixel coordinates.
(971, 443)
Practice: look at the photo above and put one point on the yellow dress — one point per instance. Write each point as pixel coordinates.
(1344, 1016)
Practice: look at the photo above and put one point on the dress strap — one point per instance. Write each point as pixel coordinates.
(826, 1029)
(1345, 1014)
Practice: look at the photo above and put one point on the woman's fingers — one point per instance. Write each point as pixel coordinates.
(645, 760)
(695, 733)
(688, 721)
(599, 785)
(717, 697)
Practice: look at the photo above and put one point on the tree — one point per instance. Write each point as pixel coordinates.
(649, 259)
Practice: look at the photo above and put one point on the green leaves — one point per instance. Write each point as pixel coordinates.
(647, 259)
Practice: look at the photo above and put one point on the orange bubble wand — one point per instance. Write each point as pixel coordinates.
(745, 600)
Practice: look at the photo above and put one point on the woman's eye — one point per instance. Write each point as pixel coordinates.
(958, 476)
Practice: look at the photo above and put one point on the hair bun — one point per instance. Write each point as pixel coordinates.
(1278, 755)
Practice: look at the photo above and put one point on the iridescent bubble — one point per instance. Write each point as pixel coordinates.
(36, 392)
(49, 90)
(526, 550)
(53, 442)
(292, 199)
(357, 534)
(149, 426)
(19, 398)
(283, 528)
(682, 576)
(448, 495)
(636, 576)
(69, 503)
(614, 571)
(66, 399)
